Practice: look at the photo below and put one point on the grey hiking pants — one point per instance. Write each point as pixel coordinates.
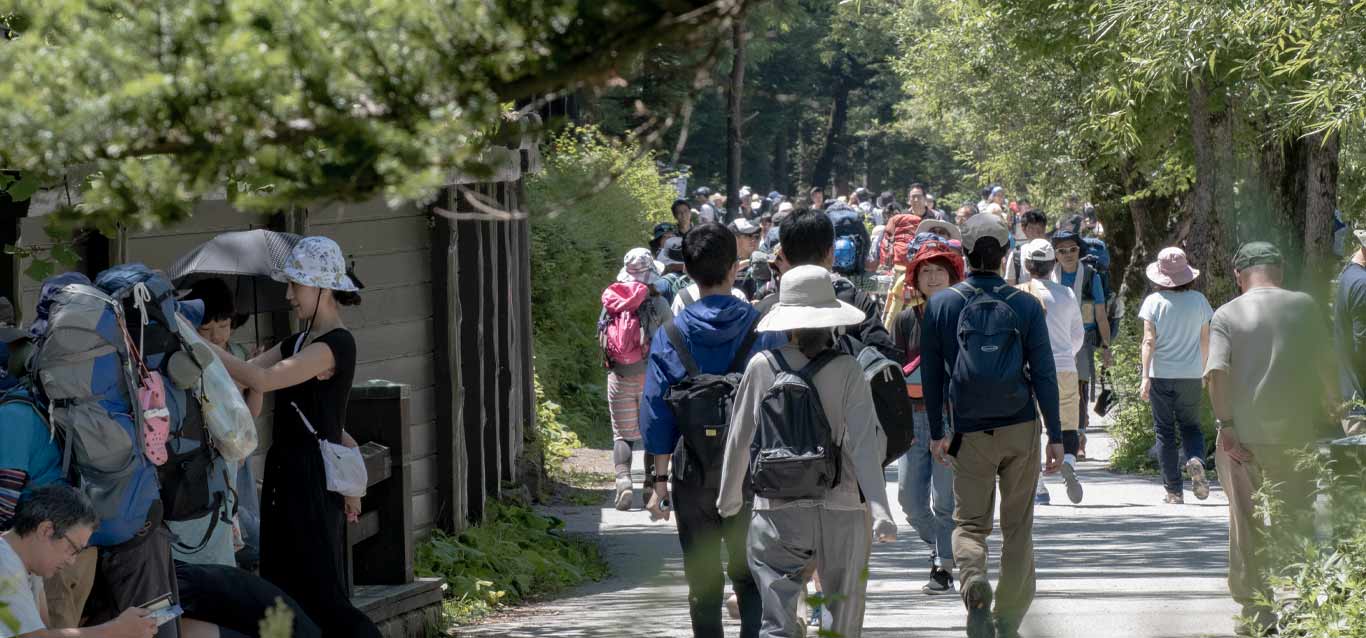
(786, 545)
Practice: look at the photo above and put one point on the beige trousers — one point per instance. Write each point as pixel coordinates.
(1010, 455)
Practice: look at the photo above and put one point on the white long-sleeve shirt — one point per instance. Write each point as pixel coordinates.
(1066, 333)
(848, 404)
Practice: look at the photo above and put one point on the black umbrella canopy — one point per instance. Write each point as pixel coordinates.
(245, 260)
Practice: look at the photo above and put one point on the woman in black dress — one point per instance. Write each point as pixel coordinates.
(310, 373)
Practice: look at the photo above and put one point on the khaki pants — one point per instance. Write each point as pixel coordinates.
(1069, 401)
(1248, 565)
(69, 588)
(1011, 454)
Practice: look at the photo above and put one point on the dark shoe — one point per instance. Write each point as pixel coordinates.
(941, 582)
(980, 623)
(1174, 499)
(1069, 476)
(1199, 482)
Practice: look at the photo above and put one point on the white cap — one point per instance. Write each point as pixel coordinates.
(1038, 250)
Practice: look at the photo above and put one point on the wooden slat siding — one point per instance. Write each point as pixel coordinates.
(468, 246)
(527, 422)
(504, 284)
(378, 237)
(488, 313)
(385, 306)
(447, 437)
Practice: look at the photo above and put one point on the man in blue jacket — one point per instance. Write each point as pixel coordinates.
(713, 331)
(992, 384)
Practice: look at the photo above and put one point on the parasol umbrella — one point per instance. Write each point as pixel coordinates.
(245, 260)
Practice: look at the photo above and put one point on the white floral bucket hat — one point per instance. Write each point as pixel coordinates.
(316, 262)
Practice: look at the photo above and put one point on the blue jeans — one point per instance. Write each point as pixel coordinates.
(925, 491)
(1176, 406)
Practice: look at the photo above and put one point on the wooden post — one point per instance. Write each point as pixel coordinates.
(469, 249)
(451, 464)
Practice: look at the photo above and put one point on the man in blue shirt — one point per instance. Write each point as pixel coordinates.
(713, 330)
(995, 429)
(1086, 286)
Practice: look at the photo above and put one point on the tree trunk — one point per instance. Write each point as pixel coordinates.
(1212, 199)
(734, 117)
(1150, 216)
(781, 143)
(682, 142)
(1321, 198)
(834, 137)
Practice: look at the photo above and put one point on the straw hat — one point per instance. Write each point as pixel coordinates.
(1171, 269)
(806, 299)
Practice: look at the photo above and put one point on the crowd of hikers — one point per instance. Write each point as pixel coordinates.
(772, 362)
(127, 504)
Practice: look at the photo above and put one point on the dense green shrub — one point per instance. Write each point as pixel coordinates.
(595, 200)
(516, 554)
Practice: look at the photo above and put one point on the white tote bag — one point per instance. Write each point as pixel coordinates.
(344, 466)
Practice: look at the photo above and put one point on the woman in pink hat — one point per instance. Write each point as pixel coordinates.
(1175, 345)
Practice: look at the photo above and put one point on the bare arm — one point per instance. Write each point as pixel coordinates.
(1219, 395)
(1103, 324)
(315, 359)
(1150, 343)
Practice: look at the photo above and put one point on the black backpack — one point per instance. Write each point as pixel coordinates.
(794, 455)
(893, 406)
(701, 406)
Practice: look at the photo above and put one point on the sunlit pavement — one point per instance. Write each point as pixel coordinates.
(1121, 563)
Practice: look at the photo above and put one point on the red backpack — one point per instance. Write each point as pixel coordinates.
(621, 334)
(897, 239)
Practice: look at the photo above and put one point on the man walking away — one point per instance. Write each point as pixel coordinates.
(1066, 335)
(710, 338)
(986, 344)
(1350, 323)
(1175, 348)
(1270, 385)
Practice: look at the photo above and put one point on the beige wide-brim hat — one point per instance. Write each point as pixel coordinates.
(806, 299)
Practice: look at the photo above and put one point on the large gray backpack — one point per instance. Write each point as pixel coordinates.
(84, 375)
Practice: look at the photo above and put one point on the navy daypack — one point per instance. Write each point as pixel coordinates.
(989, 381)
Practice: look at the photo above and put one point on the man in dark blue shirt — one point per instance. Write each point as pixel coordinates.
(995, 431)
(1350, 325)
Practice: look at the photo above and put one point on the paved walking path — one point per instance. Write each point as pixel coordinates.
(1120, 564)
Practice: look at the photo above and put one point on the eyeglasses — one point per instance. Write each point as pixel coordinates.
(1068, 251)
(75, 549)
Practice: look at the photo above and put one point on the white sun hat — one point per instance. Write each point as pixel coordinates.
(806, 299)
(317, 262)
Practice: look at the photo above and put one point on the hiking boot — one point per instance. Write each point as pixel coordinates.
(1069, 476)
(1174, 499)
(1199, 482)
(624, 493)
(941, 582)
(980, 623)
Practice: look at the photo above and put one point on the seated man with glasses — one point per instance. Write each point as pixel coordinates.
(51, 526)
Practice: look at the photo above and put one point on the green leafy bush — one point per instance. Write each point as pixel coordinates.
(595, 200)
(516, 554)
(1324, 577)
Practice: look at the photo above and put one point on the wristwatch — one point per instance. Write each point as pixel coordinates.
(1220, 424)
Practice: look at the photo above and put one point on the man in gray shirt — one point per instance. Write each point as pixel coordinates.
(1270, 375)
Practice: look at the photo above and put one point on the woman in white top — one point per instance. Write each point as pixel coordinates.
(1175, 347)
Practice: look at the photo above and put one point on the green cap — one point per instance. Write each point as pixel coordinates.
(1256, 253)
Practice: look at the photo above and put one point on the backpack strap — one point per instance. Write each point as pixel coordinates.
(746, 346)
(966, 290)
(676, 338)
(808, 371)
(686, 296)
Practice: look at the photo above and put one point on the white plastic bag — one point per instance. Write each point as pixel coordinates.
(344, 466)
(225, 412)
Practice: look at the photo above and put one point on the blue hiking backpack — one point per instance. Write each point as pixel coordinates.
(988, 381)
(851, 240)
(82, 370)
